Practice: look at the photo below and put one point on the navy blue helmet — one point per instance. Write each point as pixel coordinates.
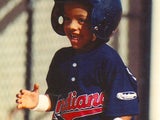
(105, 16)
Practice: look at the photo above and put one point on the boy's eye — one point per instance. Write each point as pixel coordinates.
(81, 20)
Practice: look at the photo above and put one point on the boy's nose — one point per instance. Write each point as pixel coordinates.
(73, 25)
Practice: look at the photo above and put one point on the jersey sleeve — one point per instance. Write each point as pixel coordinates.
(121, 90)
(53, 76)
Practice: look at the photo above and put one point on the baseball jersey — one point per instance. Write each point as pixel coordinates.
(93, 85)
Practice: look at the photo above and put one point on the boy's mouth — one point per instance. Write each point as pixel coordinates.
(74, 38)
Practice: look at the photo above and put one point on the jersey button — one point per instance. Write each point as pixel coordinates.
(74, 64)
(73, 79)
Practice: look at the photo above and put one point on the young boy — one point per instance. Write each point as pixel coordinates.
(87, 81)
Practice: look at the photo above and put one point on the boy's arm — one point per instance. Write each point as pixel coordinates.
(126, 118)
(123, 118)
(44, 104)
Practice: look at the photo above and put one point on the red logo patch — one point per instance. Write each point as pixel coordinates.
(79, 106)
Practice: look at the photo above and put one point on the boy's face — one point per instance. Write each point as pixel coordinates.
(77, 25)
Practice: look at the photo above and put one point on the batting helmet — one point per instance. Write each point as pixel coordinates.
(105, 16)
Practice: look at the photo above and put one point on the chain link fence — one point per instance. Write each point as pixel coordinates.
(13, 50)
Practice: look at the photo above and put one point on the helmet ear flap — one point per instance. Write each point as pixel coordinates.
(106, 15)
(56, 21)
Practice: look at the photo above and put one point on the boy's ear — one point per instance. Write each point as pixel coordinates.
(94, 37)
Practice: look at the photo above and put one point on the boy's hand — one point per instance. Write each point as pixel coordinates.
(28, 99)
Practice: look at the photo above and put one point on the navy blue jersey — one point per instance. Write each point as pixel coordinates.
(94, 85)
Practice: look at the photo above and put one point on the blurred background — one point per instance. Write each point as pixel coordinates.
(28, 43)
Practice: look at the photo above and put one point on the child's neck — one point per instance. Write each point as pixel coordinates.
(89, 47)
